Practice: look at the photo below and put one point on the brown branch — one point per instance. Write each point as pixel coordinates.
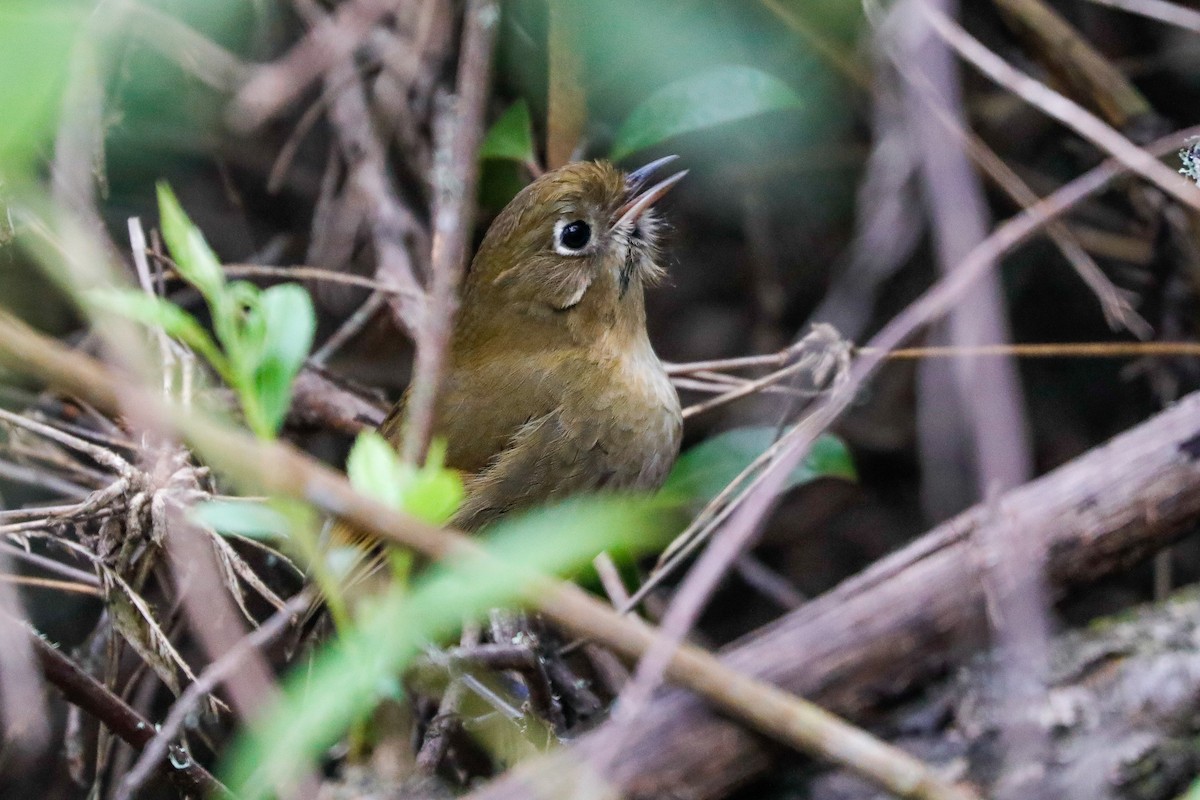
(394, 229)
(207, 681)
(273, 87)
(319, 402)
(87, 693)
(913, 614)
(455, 175)
(1061, 108)
(1060, 48)
(565, 102)
(278, 468)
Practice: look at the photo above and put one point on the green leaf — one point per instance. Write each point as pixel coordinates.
(36, 42)
(432, 492)
(715, 96)
(704, 470)
(288, 323)
(373, 467)
(511, 136)
(341, 684)
(158, 312)
(196, 261)
(241, 518)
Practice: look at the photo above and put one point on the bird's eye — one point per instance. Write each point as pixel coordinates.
(575, 235)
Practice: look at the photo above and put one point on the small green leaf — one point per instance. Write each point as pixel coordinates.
(196, 261)
(373, 467)
(158, 312)
(436, 492)
(511, 136)
(704, 470)
(288, 323)
(719, 95)
(432, 493)
(241, 518)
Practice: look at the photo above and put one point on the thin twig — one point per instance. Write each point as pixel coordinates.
(32, 476)
(50, 583)
(348, 329)
(49, 564)
(1161, 10)
(96, 699)
(1061, 108)
(455, 175)
(206, 682)
(565, 101)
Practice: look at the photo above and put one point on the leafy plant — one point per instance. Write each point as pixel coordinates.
(701, 473)
(430, 492)
(324, 698)
(716, 96)
(511, 136)
(262, 335)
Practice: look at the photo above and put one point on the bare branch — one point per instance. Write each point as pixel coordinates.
(456, 173)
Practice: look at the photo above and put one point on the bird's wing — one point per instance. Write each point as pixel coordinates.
(543, 460)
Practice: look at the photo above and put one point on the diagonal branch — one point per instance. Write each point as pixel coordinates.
(280, 469)
(1061, 108)
(455, 175)
(96, 699)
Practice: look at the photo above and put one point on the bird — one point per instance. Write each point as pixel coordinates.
(553, 388)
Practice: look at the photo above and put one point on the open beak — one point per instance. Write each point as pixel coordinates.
(640, 200)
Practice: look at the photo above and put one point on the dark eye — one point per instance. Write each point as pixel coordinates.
(575, 235)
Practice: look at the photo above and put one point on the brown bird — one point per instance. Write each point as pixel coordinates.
(553, 387)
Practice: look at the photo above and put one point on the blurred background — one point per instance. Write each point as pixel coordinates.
(818, 205)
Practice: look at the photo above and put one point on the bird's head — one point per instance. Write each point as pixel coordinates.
(579, 240)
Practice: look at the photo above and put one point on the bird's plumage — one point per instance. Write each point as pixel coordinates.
(553, 387)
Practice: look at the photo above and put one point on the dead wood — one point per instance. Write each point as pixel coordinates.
(917, 612)
(1120, 722)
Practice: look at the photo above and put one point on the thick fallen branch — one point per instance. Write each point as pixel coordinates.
(913, 614)
(1120, 724)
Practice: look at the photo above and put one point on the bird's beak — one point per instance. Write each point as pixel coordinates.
(640, 200)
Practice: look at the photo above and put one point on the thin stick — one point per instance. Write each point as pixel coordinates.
(348, 329)
(1048, 350)
(456, 173)
(50, 583)
(1061, 108)
(50, 565)
(206, 682)
(96, 699)
(281, 469)
(1170, 13)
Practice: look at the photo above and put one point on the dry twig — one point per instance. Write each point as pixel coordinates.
(280, 469)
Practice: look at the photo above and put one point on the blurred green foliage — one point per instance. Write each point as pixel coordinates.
(264, 335)
(430, 492)
(36, 38)
(322, 699)
(703, 471)
(719, 95)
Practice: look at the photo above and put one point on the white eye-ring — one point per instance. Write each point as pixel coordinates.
(571, 237)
